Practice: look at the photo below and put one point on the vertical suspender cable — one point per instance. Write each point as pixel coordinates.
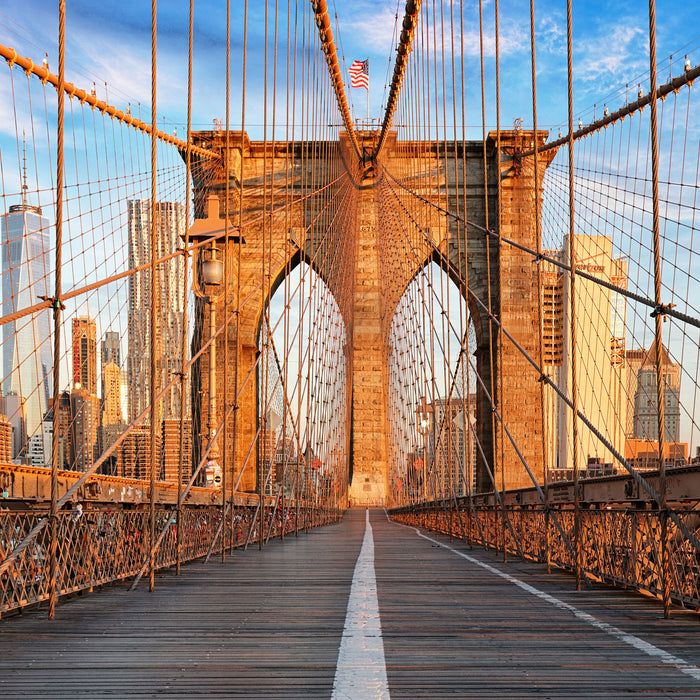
(469, 478)
(302, 185)
(460, 458)
(658, 312)
(264, 364)
(183, 351)
(227, 267)
(295, 490)
(572, 305)
(288, 263)
(500, 244)
(269, 443)
(487, 241)
(311, 115)
(57, 307)
(536, 196)
(153, 319)
(234, 446)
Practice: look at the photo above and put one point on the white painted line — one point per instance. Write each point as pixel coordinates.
(361, 670)
(634, 641)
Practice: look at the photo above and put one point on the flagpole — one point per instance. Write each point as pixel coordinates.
(359, 77)
(368, 93)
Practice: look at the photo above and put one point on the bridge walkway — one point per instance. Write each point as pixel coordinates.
(270, 625)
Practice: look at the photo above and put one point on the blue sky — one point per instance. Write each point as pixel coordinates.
(109, 42)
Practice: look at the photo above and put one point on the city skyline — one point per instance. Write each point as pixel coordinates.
(84, 344)
(95, 415)
(136, 372)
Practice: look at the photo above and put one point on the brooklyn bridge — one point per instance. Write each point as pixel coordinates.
(317, 387)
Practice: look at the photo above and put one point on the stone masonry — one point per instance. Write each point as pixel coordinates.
(357, 243)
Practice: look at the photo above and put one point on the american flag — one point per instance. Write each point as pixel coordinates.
(359, 74)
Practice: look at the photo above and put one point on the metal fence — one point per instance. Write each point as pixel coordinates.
(620, 547)
(106, 545)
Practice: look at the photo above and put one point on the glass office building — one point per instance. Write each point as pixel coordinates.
(27, 275)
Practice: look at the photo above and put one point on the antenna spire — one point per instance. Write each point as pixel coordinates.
(24, 175)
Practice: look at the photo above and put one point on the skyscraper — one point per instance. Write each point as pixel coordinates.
(170, 278)
(112, 423)
(112, 415)
(642, 446)
(26, 276)
(170, 450)
(447, 443)
(65, 430)
(634, 359)
(134, 457)
(111, 348)
(84, 355)
(5, 440)
(646, 426)
(85, 406)
(13, 406)
(599, 348)
(111, 380)
(111, 394)
(85, 411)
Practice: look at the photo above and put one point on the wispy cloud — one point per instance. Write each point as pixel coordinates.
(7, 114)
(608, 57)
(124, 75)
(513, 38)
(551, 33)
(373, 31)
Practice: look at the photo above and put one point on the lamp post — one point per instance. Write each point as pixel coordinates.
(206, 284)
(423, 415)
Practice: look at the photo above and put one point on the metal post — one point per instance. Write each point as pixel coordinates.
(224, 414)
(538, 238)
(658, 313)
(57, 307)
(213, 453)
(183, 350)
(153, 308)
(572, 315)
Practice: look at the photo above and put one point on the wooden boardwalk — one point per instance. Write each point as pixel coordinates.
(269, 625)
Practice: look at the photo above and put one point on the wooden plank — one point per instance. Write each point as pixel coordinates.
(263, 624)
(268, 624)
(453, 627)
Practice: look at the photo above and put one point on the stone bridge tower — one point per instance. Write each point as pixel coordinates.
(363, 234)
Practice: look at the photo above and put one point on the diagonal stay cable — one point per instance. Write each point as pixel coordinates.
(408, 26)
(660, 309)
(323, 22)
(463, 351)
(542, 377)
